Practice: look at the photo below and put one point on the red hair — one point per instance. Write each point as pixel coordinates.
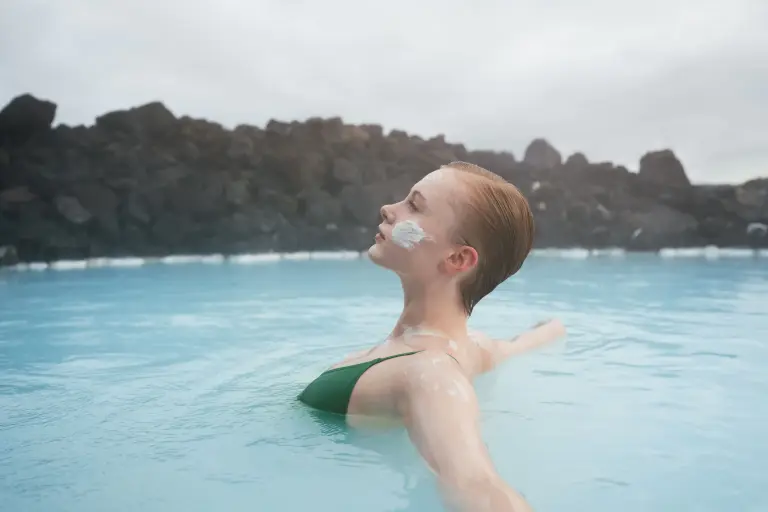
(498, 223)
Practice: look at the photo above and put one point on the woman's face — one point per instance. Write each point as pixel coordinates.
(416, 235)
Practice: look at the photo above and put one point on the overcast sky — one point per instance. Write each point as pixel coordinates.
(611, 78)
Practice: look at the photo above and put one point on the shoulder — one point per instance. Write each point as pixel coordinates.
(484, 348)
(431, 363)
(434, 375)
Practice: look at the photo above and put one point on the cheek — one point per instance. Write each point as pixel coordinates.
(408, 234)
(440, 240)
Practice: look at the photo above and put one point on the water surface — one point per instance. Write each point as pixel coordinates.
(172, 387)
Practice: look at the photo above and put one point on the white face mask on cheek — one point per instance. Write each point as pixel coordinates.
(407, 234)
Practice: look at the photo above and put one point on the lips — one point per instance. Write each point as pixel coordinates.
(379, 237)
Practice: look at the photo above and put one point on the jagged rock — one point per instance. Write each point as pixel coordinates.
(310, 170)
(13, 196)
(151, 119)
(322, 208)
(660, 226)
(752, 200)
(143, 182)
(577, 161)
(198, 196)
(540, 154)
(96, 198)
(8, 256)
(354, 133)
(664, 168)
(171, 229)
(250, 224)
(346, 172)
(72, 210)
(237, 192)
(136, 210)
(757, 230)
(24, 117)
(501, 163)
(363, 203)
(241, 148)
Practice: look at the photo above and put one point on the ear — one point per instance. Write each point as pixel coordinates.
(461, 260)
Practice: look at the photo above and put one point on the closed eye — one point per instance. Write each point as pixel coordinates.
(412, 202)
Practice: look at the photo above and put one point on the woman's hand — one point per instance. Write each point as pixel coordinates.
(553, 327)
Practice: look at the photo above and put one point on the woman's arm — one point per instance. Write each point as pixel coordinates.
(541, 334)
(439, 408)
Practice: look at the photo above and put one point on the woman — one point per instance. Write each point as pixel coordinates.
(459, 233)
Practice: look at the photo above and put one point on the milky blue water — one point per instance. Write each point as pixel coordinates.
(171, 387)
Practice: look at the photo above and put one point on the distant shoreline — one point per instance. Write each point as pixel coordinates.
(681, 253)
(144, 182)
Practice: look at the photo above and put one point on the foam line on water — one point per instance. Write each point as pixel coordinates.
(248, 259)
(735, 252)
(213, 259)
(334, 255)
(574, 253)
(98, 262)
(181, 259)
(688, 252)
(68, 264)
(297, 256)
(612, 252)
(709, 252)
(116, 262)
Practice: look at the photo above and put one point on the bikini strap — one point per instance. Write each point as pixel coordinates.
(416, 331)
(449, 355)
(381, 359)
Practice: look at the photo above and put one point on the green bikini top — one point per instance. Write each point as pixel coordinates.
(332, 389)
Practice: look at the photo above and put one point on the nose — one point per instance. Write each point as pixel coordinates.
(386, 213)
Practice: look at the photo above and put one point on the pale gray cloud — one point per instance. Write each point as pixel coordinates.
(612, 79)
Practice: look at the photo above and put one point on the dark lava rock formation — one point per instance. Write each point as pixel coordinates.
(143, 182)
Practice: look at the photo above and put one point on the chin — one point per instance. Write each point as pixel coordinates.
(379, 256)
(377, 253)
(374, 254)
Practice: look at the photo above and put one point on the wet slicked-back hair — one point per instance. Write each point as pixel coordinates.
(498, 223)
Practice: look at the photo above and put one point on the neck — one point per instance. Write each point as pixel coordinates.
(435, 306)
